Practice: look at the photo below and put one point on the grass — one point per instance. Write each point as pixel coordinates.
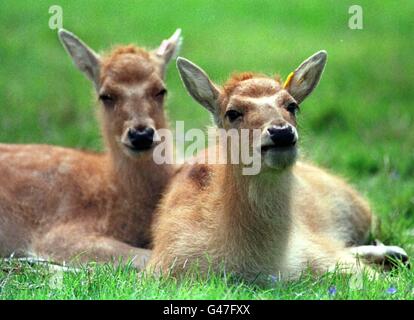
(358, 123)
(23, 281)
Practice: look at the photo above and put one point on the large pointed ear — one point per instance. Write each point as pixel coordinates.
(199, 85)
(85, 59)
(305, 78)
(170, 48)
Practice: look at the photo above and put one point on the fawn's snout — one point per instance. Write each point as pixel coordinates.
(278, 146)
(282, 136)
(141, 138)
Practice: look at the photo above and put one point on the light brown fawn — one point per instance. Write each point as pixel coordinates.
(290, 217)
(64, 204)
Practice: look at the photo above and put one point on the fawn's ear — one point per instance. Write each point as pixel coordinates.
(301, 82)
(170, 48)
(85, 59)
(199, 85)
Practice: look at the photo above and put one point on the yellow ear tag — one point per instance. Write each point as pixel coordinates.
(288, 80)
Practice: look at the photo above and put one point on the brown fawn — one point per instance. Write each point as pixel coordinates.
(290, 217)
(68, 205)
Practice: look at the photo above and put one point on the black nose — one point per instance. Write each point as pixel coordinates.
(141, 138)
(282, 136)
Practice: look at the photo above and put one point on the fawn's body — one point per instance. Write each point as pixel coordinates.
(64, 204)
(251, 226)
(57, 202)
(289, 217)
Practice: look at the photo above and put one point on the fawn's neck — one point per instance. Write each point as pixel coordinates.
(139, 183)
(140, 179)
(256, 215)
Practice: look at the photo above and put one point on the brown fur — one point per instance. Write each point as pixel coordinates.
(235, 82)
(278, 222)
(65, 204)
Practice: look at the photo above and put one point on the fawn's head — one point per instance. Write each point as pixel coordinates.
(253, 101)
(129, 82)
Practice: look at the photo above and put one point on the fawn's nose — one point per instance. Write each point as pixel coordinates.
(141, 138)
(282, 136)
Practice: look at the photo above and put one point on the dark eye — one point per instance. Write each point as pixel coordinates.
(161, 93)
(293, 108)
(107, 99)
(233, 115)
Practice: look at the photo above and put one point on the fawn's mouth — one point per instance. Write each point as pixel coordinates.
(279, 157)
(140, 149)
(278, 147)
(133, 152)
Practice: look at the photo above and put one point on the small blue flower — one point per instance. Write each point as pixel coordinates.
(274, 278)
(391, 290)
(332, 290)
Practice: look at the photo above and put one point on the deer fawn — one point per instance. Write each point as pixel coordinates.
(290, 217)
(64, 204)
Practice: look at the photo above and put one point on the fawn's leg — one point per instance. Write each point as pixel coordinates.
(75, 246)
(324, 254)
(382, 255)
(355, 259)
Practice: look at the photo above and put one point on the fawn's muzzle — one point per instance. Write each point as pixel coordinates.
(141, 138)
(282, 137)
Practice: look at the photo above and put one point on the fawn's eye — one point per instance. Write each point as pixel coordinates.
(233, 115)
(292, 107)
(161, 93)
(107, 99)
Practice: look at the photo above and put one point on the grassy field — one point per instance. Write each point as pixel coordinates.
(359, 122)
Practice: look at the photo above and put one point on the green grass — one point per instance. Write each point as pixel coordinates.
(358, 123)
(22, 281)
